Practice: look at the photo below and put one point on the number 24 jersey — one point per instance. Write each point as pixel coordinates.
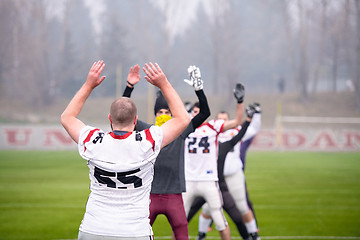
(201, 152)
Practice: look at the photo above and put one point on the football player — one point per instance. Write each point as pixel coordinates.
(201, 149)
(121, 162)
(169, 177)
(232, 168)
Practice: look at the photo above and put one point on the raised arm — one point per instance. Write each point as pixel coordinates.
(227, 146)
(175, 126)
(198, 84)
(255, 124)
(239, 93)
(132, 79)
(244, 127)
(69, 118)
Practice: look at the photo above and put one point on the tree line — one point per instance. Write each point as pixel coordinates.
(271, 45)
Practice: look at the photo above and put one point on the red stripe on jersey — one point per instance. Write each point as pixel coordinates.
(150, 138)
(120, 136)
(88, 137)
(212, 127)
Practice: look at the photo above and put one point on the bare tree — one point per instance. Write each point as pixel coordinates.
(26, 66)
(357, 75)
(320, 45)
(290, 44)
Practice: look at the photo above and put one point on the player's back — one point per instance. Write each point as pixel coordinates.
(121, 172)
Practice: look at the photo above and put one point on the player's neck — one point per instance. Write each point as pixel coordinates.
(124, 129)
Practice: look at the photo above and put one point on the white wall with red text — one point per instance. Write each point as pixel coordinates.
(54, 137)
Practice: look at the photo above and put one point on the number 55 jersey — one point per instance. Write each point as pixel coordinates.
(201, 152)
(121, 168)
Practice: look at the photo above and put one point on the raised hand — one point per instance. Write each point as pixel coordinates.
(257, 107)
(195, 78)
(134, 75)
(250, 111)
(239, 92)
(154, 74)
(93, 78)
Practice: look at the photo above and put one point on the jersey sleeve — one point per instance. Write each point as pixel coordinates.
(87, 134)
(156, 135)
(253, 128)
(189, 129)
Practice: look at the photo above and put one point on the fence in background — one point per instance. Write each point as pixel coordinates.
(54, 137)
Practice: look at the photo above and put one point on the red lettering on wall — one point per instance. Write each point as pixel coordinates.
(18, 137)
(325, 140)
(293, 139)
(59, 135)
(264, 139)
(350, 138)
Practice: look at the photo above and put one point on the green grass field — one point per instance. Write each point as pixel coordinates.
(295, 195)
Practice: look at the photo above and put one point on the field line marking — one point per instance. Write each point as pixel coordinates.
(40, 205)
(275, 237)
(266, 237)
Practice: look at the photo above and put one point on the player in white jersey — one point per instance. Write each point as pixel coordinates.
(201, 148)
(235, 181)
(234, 174)
(121, 162)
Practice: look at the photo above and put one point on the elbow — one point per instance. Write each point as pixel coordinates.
(205, 113)
(184, 121)
(64, 119)
(208, 113)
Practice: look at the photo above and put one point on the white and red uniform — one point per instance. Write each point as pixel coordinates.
(232, 160)
(201, 175)
(201, 152)
(121, 172)
(233, 166)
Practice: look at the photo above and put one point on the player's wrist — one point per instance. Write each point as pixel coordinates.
(129, 84)
(88, 86)
(240, 100)
(165, 85)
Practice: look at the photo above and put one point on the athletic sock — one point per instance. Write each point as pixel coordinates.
(204, 224)
(251, 226)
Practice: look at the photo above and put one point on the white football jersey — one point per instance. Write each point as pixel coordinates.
(254, 127)
(232, 161)
(121, 172)
(201, 152)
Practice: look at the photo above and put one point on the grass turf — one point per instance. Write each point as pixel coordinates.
(43, 195)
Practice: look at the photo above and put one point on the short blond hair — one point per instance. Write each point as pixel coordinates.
(123, 112)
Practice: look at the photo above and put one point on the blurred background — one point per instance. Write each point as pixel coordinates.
(295, 57)
(300, 59)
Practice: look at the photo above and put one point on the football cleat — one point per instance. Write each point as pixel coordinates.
(201, 236)
(254, 236)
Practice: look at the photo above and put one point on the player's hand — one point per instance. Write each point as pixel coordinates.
(250, 111)
(93, 78)
(154, 75)
(239, 92)
(257, 107)
(134, 75)
(195, 78)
